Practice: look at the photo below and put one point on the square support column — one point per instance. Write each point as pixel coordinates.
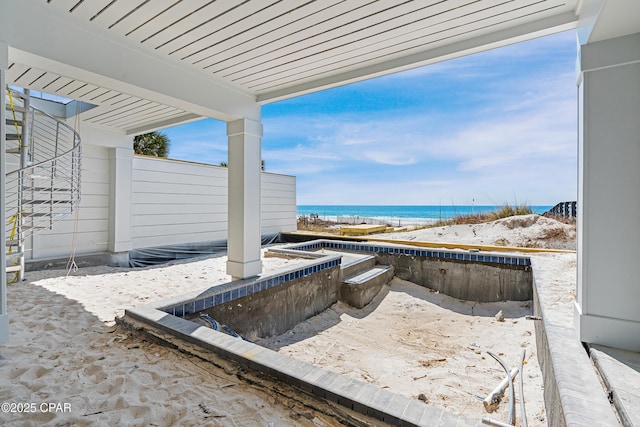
(245, 140)
(120, 179)
(607, 308)
(4, 317)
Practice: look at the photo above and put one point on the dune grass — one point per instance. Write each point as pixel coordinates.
(503, 212)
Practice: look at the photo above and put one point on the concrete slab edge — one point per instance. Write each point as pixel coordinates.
(384, 405)
(573, 393)
(619, 380)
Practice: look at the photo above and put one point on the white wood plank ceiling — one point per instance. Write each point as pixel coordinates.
(113, 109)
(273, 48)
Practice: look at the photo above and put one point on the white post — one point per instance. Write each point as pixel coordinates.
(607, 308)
(245, 137)
(4, 317)
(120, 179)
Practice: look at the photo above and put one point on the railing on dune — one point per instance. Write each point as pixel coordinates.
(564, 210)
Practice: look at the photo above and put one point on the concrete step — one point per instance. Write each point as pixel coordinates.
(359, 290)
(353, 264)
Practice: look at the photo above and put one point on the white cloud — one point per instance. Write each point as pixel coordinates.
(483, 128)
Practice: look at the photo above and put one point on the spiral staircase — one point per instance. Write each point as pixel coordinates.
(42, 175)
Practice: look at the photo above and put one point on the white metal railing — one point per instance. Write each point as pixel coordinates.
(43, 174)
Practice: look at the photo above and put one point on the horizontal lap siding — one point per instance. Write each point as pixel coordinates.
(278, 199)
(93, 213)
(179, 202)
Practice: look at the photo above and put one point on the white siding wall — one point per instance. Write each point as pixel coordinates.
(278, 203)
(172, 202)
(176, 202)
(93, 214)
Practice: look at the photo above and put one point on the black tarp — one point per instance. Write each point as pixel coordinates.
(162, 254)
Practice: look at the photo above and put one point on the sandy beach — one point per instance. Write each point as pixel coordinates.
(66, 349)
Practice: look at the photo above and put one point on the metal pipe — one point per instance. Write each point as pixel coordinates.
(4, 317)
(523, 412)
(512, 402)
(24, 161)
(491, 422)
(490, 402)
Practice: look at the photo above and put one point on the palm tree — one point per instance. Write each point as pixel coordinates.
(152, 144)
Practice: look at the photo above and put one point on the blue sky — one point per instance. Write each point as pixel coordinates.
(491, 128)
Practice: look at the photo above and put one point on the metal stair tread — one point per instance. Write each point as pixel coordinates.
(368, 274)
(34, 227)
(13, 268)
(14, 255)
(16, 108)
(12, 243)
(45, 202)
(12, 151)
(49, 189)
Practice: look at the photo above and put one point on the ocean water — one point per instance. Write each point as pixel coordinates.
(402, 215)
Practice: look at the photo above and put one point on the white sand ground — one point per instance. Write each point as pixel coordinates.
(65, 349)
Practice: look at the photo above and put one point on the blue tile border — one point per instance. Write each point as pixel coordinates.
(193, 306)
(394, 250)
(225, 295)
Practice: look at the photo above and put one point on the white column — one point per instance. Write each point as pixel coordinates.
(245, 138)
(607, 309)
(120, 178)
(4, 317)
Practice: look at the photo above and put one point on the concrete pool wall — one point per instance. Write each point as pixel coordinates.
(272, 304)
(281, 297)
(478, 281)
(468, 275)
(277, 309)
(267, 304)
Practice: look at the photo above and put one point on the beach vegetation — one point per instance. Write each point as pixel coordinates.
(152, 144)
(317, 225)
(504, 211)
